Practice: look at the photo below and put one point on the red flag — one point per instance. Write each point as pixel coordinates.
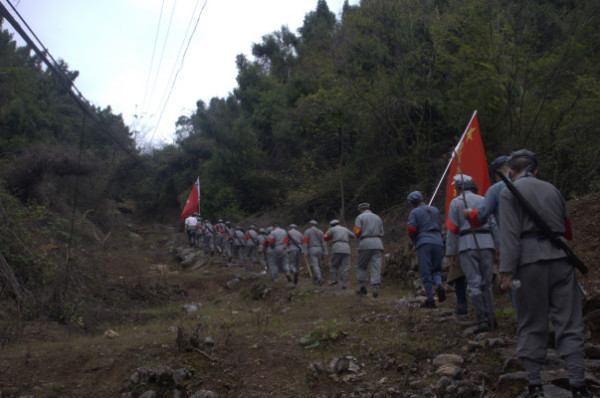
(193, 202)
(471, 158)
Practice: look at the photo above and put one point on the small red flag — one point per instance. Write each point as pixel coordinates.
(193, 202)
(472, 160)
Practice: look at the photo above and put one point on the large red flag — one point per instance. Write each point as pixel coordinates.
(193, 202)
(471, 158)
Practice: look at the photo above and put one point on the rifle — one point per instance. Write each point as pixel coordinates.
(543, 226)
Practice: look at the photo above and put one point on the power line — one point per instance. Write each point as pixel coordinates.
(180, 68)
(67, 84)
(152, 59)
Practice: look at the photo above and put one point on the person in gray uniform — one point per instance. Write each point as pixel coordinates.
(368, 227)
(261, 249)
(476, 248)
(294, 250)
(549, 286)
(339, 266)
(424, 227)
(220, 236)
(278, 240)
(238, 245)
(208, 243)
(229, 233)
(315, 248)
(251, 240)
(269, 248)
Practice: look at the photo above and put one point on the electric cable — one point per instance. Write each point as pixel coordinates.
(143, 106)
(179, 70)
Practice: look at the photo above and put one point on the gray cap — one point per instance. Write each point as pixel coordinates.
(462, 179)
(220, 220)
(499, 161)
(524, 153)
(363, 206)
(293, 226)
(313, 222)
(262, 230)
(334, 222)
(252, 226)
(238, 227)
(415, 197)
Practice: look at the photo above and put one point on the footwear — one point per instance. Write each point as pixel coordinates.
(332, 283)
(375, 291)
(362, 291)
(289, 279)
(535, 391)
(483, 327)
(441, 293)
(580, 392)
(460, 314)
(428, 304)
(344, 287)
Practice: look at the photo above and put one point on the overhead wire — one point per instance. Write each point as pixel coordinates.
(160, 59)
(180, 68)
(143, 105)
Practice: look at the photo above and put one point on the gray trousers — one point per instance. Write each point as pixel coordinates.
(294, 258)
(279, 259)
(365, 258)
(340, 262)
(315, 254)
(549, 289)
(478, 267)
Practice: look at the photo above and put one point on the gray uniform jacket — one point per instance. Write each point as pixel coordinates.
(295, 237)
(252, 238)
(278, 239)
(371, 231)
(340, 238)
(521, 241)
(313, 238)
(487, 235)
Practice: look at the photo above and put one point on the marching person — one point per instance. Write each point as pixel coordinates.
(238, 245)
(424, 227)
(294, 250)
(315, 248)
(209, 238)
(261, 250)
(251, 239)
(476, 248)
(548, 283)
(278, 240)
(220, 236)
(190, 228)
(229, 233)
(339, 265)
(369, 229)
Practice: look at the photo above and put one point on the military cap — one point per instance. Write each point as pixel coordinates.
(293, 226)
(364, 206)
(461, 180)
(415, 197)
(313, 222)
(524, 153)
(334, 222)
(499, 161)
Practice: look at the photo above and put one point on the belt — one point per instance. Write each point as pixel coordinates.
(371, 236)
(471, 231)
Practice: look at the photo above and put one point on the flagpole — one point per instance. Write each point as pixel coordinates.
(198, 187)
(452, 157)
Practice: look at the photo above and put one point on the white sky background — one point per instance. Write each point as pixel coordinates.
(110, 43)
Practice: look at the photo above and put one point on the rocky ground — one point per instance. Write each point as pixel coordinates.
(178, 323)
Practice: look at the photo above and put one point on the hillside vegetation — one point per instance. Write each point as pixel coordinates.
(361, 106)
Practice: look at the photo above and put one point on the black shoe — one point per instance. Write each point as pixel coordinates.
(441, 293)
(535, 391)
(580, 392)
(375, 291)
(483, 327)
(296, 278)
(362, 291)
(428, 304)
(332, 283)
(289, 279)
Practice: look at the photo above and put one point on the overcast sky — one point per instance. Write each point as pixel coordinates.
(111, 43)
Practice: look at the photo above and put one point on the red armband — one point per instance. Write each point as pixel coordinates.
(326, 237)
(455, 229)
(474, 219)
(410, 230)
(305, 240)
(357, 231)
